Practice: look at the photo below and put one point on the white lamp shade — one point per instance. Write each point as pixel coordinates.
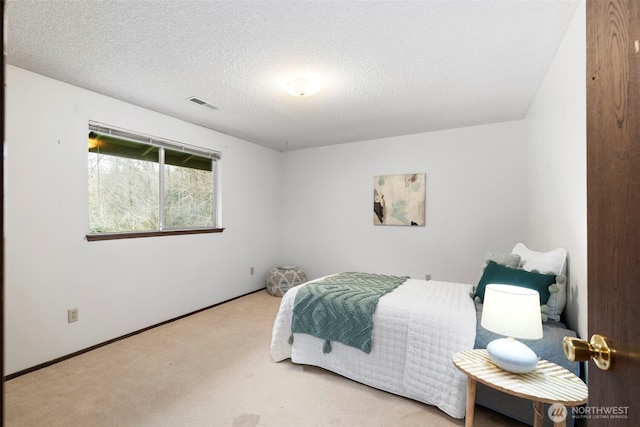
(512, 311)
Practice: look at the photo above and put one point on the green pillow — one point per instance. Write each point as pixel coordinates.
(499, 274)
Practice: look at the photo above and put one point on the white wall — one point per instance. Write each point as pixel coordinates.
(119, 286)
(475, 202)
(556, 165)
(487, 187)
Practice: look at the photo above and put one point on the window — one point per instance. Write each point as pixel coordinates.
(141, 185)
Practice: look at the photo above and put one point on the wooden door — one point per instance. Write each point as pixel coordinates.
(613, 205)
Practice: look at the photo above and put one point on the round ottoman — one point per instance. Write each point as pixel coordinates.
(281, 279)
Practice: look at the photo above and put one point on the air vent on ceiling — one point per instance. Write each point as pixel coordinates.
(199, 101)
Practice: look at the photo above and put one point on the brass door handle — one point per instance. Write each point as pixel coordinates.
(599, 349)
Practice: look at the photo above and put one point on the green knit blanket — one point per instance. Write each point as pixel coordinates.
(340, 308)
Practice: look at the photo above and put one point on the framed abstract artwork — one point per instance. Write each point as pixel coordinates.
(399, 199)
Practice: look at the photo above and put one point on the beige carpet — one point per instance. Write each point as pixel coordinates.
(209, 369)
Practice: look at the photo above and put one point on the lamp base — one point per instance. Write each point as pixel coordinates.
(512, 356)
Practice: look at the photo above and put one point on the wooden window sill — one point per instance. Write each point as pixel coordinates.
(135, 235)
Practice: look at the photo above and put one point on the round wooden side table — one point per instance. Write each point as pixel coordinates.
(548, 383)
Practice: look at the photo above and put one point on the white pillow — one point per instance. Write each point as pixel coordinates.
(552, 262)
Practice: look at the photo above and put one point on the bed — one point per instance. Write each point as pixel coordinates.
(414, 337)
(417, 327)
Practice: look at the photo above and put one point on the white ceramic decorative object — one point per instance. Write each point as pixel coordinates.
(512, 355)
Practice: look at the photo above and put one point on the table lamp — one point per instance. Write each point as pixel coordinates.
(512, 311)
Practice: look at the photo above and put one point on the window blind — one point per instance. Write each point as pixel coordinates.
(123, 143)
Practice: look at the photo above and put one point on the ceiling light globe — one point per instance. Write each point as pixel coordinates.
(302, 86)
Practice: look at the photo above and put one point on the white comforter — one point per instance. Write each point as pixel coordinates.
(416, 330)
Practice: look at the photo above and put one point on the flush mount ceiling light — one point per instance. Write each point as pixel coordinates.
(303, 86)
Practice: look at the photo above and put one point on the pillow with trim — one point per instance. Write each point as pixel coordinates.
(496, 273)
(508, 260)
(545, 262)
(551, 262)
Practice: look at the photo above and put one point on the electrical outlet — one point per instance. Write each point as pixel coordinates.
(251, 271)
(72, 315)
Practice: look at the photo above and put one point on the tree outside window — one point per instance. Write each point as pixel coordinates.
(139, 184)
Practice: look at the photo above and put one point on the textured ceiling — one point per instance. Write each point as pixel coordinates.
(390, 67)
